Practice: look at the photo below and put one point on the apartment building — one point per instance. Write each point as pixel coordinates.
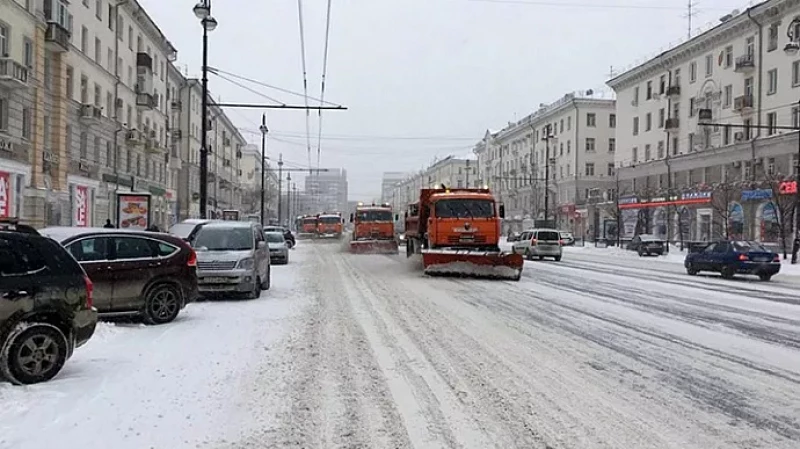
(450, 171)
(225, 151)
(388, 182)
(576, 134)
(90, 106)
(730, 173)
(250, 182)
(328, 191)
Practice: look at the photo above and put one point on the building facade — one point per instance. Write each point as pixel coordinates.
(250, 182)
(450, 171)
(91, 106)
(327, 190)
(387, 185)
(555, 164)
(731, 174)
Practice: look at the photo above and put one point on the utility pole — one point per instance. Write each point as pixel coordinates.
(690, 13)
(280, 187)
(288, 198)
(467, 178)
(547, 137)
(264, 130)
(619, 213)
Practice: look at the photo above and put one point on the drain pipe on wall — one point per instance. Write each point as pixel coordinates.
(760, 69)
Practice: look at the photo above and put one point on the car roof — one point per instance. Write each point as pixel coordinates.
(195, 221)
(541, 229)
(229, 224)
(64, 233)
(274, 232)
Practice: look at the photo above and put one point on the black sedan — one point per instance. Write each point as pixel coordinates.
(647, 245)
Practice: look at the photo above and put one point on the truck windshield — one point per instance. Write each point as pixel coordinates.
(464, 208)
(374, 215)
(330, 220)
(310, 221)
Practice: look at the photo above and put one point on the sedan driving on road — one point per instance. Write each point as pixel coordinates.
(647, 245)
(278, 247)
(733, 257)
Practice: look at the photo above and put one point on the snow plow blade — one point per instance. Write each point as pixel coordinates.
(473, 264)
(374, 247)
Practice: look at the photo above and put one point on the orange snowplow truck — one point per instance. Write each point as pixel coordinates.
(373, 230)
(308, 227)
(457, 231)
(329, 226)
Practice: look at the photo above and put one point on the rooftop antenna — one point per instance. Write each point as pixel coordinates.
(691, 11)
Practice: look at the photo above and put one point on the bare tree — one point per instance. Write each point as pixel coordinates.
(721, 198)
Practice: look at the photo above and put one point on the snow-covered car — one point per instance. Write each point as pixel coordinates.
(647, 245)
(232, 257)
(568, 238)
(278, 247)
(539, 243)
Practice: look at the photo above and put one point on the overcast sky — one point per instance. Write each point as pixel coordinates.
(421, 78)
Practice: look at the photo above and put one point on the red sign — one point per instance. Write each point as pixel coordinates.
(788, 188)
(81, 206)
(5, 194)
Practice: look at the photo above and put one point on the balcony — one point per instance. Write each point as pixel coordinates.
(150, 145)
(745, 63)
(743, 104)
(144, 60)
(133, 137)
(674, 92)
(672, 124)
(91, 114)
(56, 38)
(13, 75)
(226, 143)
(145, 101)
(176, 105)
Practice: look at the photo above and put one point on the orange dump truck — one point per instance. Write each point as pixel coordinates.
(373, 230)
(307, 227)
(329, 225)
(457, 231)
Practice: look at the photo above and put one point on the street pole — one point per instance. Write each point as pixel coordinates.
(619, 213)
(796, 243)
(264, 130)
(547, 175)
(203, 12)
(280, 187)
(288, 198)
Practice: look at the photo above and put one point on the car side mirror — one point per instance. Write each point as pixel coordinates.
(261, 245)
(351, 218)
(502, 211)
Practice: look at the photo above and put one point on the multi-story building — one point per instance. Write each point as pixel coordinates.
(328, 190)
(250, 182)
(450, 171)
(576, 135)
(225, 144)
(387, 184)
(91, 105)
(729, 174)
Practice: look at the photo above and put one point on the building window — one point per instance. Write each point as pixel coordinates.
(28, 53)
(635, 101)
(97, 149)
(772, 122)
(636, 126)
(591, 120)
(612, 120)
(772, 81)
(661, 117)
(649, 91)
(83, 145)
(590, 169)
(772, 43)
(709, 65)
(109, 104)
(84, 90)
(648, 122)
(97, 49)
(5, 35)
(69, 75)
(674, 146)
(612, 145)
(796, 117)
(569, 123)
(635, 155)
(590, 145)
(110, 60)
(120, 27)
(647, 154)
(726, 135)
(84, 40)
(26, 123)
(691, 106)
(727, 96)
(610, 169)
(662, 85)
(676, 77)
(48, 73)
(750, 46)
(569, 146)
(728, 56)
(98, 10)
(692, 71)
(795, 73)
(660, 149)
(130, 37)
(676, 109)
(561, 125)
(3, 114)
(98, 94)
(109, 154)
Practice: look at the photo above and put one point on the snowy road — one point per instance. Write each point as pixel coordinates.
(365, 352)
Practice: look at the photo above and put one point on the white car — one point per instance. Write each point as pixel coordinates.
(539, 243)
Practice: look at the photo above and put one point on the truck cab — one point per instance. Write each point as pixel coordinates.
(373, 223)
(329, 225)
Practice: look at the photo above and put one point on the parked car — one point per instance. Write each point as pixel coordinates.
(567, 237)
(278, 248)
(232, 258)
(647, 245)
(513, 236)
(733, 257)
(187, 229)
(539, 243)
(148, 274)
(287, 234)
(45, 305)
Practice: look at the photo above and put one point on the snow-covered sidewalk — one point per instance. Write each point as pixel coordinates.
(185, 384)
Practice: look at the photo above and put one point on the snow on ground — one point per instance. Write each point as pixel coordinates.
(173, 386)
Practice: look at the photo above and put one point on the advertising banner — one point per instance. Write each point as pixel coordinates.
(5, 194)
(133, 211)
(230, 215)
(81, 206)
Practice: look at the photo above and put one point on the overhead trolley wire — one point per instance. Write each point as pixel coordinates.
(324, 75)
(305, 77)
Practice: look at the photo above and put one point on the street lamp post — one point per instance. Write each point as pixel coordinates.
(547, 130)
(280, 187)
(288, 198)
(791, 49)
(264, 130)
(202, 11)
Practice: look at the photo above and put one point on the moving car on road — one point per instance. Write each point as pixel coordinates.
(232, 257)
(45, 306)
(149, 274)
(730, 258)
(540, 243)
(287, 234)
(278, 248)
(567, 238)
(647, 245)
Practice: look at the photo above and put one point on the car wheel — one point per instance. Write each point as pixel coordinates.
(255, 292)
(557, 258)
(34, 352)
(162, 304)
(266, 284)
(641, 253)
(765, 277)
(541, 257)
(728, 272)
(691, 270)
(528, 254)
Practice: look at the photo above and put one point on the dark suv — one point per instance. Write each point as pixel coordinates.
(45, 305)
(149, 274)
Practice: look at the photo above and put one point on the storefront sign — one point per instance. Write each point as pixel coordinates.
(230, 215)
(757, 194)
(683, 200)
(5, 194)
(788, 188)
(133, 211)
(705, 195)
(81, 206)
(6, 145)
(628, 200)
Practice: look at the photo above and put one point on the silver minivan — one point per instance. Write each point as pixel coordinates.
(539, 243)
(232, 257)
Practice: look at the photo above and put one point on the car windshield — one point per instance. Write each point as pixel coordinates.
(649, 238)
(330, 220)
(374, 215)
(464, 208)
(224, 239)
(182, 230)
(548, 235)
(274, 237)
(746, 247)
